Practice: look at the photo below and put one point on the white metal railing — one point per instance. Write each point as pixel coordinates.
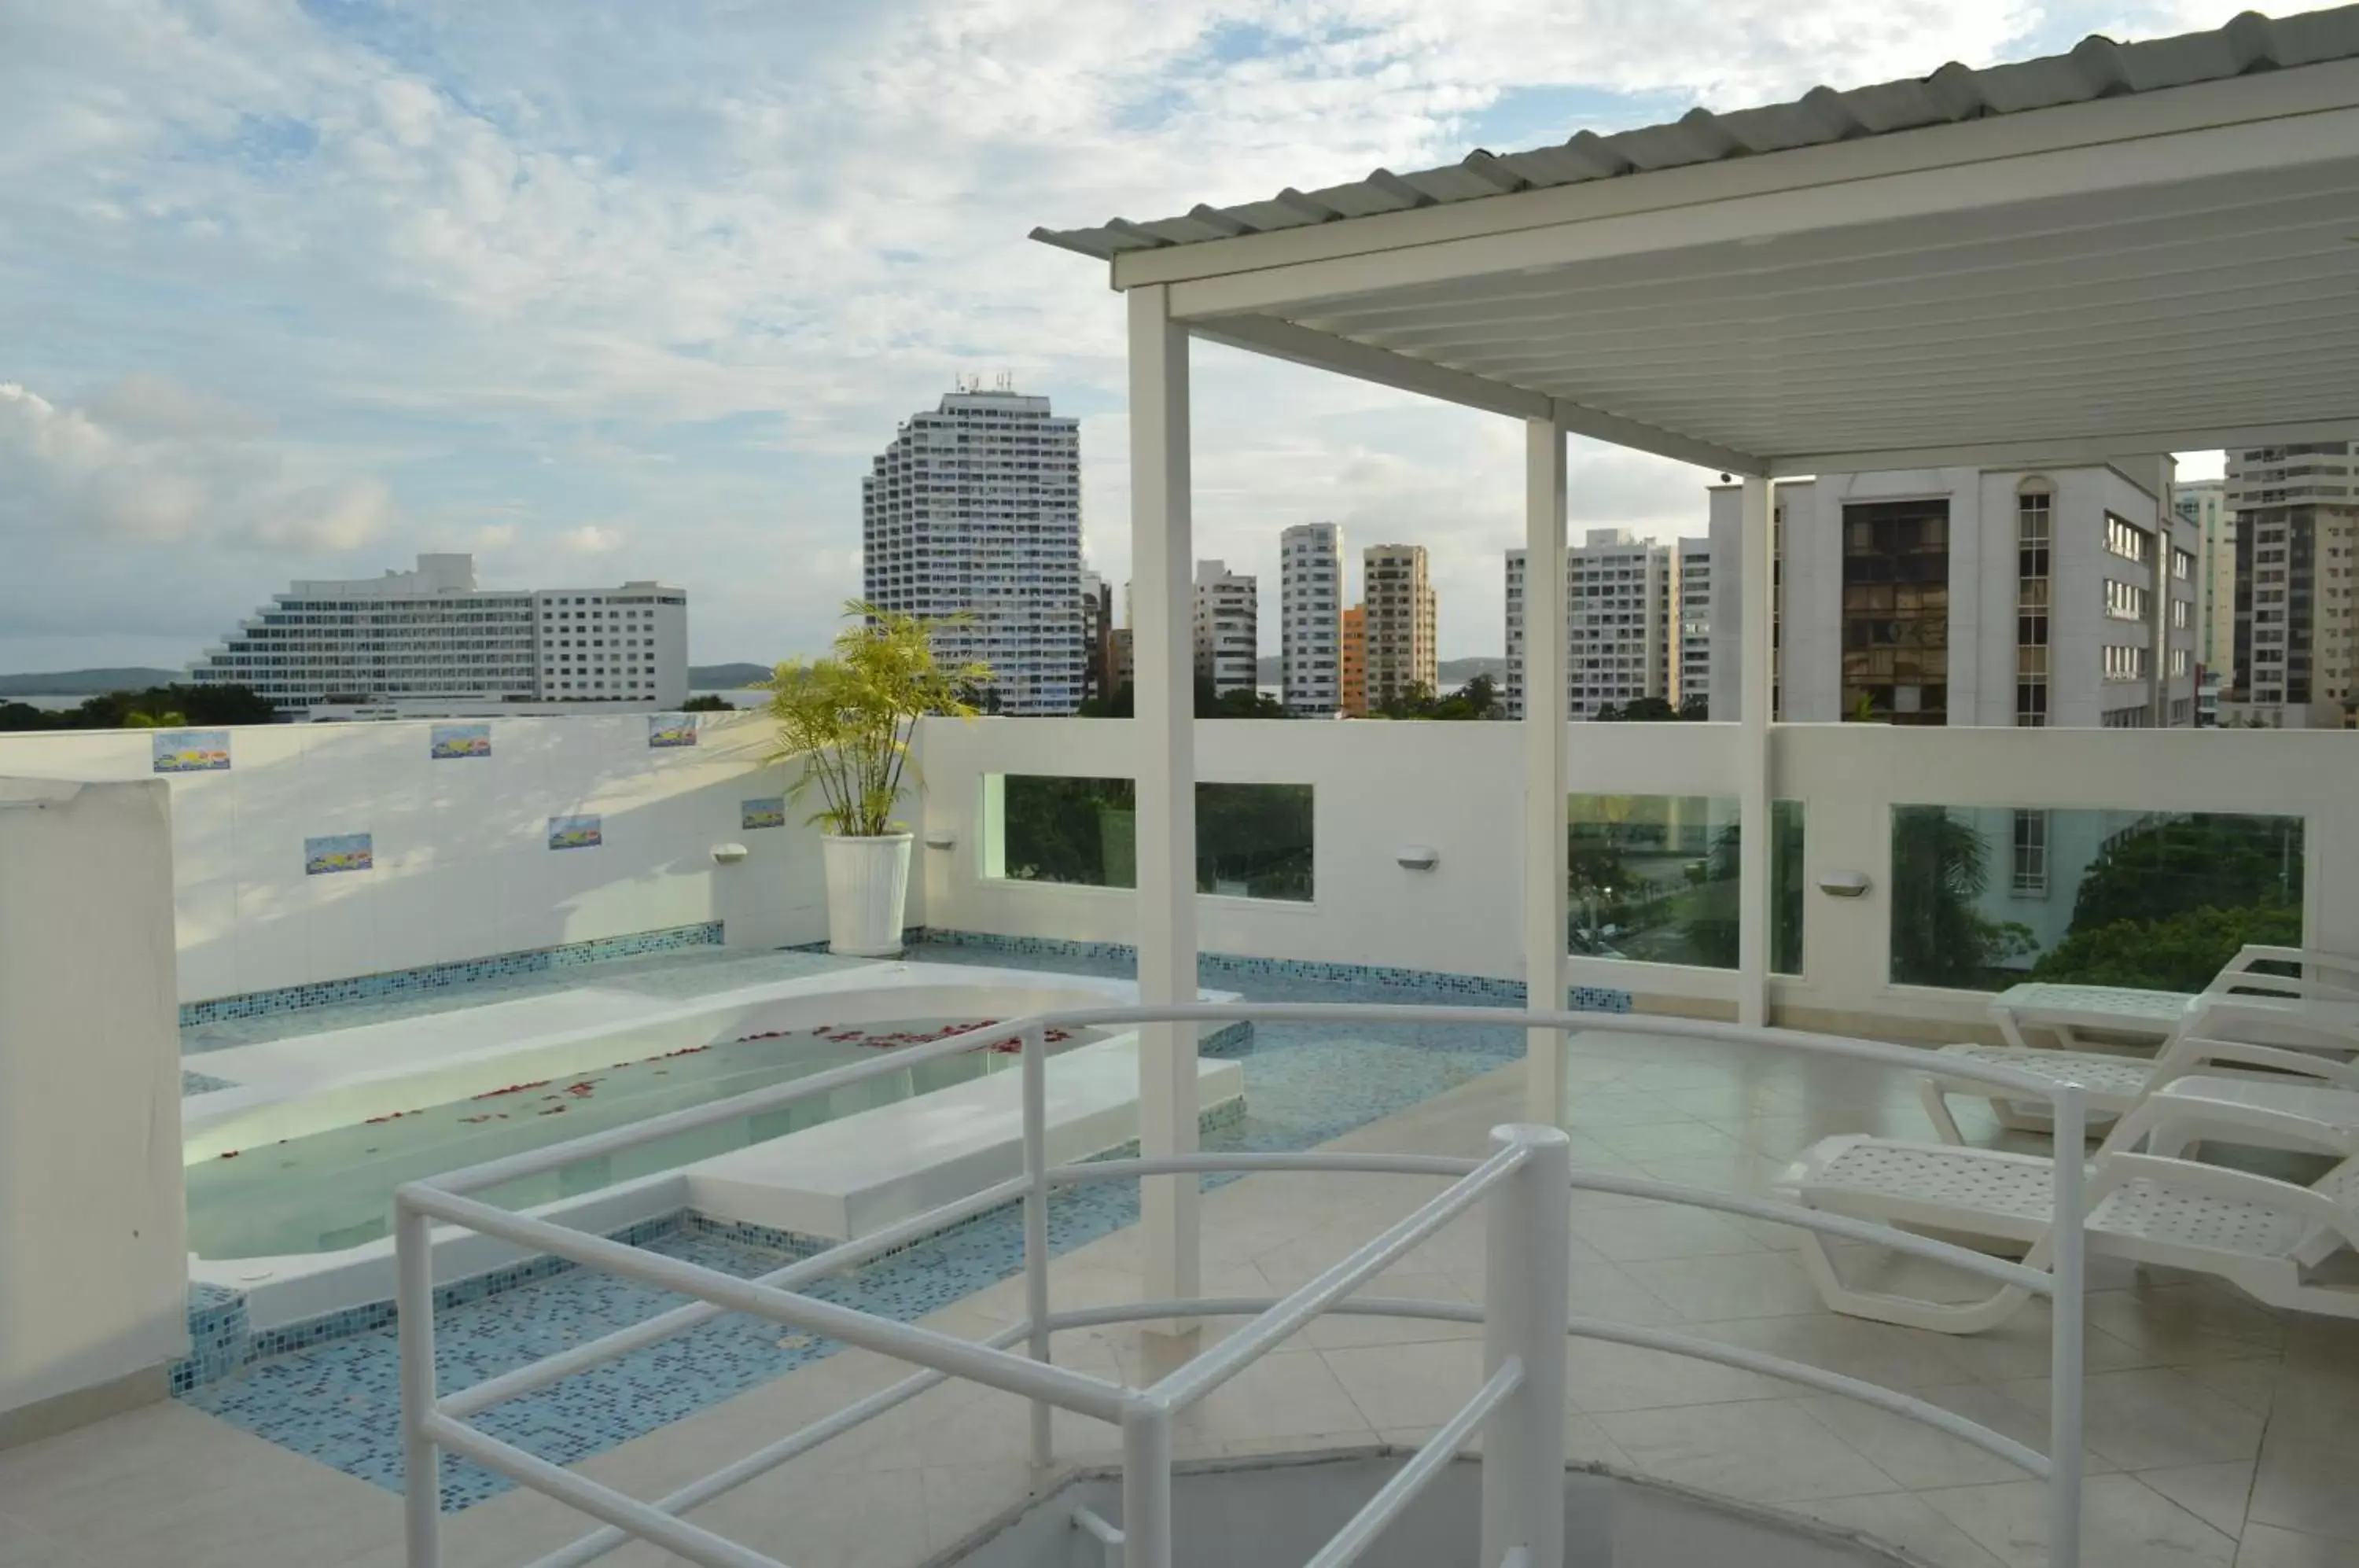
(1524, 1187)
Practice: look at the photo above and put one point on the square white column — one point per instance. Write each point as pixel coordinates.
(1164, 756)
(1545, 690)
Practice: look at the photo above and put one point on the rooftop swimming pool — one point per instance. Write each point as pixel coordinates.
(331, 1189)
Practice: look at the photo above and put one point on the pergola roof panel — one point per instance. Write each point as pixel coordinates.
(2095, 68)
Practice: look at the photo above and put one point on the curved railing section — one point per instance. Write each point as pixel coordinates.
(1524, 1189)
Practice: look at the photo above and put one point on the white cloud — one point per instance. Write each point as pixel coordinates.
(367, 277)
(592, 539)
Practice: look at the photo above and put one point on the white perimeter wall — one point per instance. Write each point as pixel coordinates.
(1377, 787)
(462, 868)
(1456, 788)
(93, 1263)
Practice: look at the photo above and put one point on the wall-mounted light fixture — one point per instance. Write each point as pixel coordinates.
(941, 838)
(728, 854)
(1418, 858)
(1843, 884)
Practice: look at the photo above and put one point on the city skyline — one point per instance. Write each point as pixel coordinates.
(296, 293)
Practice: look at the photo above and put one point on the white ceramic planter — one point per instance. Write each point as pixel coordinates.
(867, 889)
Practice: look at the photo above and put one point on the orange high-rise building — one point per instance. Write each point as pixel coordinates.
(1352, 700)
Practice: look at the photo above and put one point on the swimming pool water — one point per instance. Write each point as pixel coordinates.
(333, 1189)
(340, 1403)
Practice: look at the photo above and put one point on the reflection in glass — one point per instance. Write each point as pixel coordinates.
(1252, 841)
(1983, 899)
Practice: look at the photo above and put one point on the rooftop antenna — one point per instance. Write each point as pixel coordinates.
(1006, 381)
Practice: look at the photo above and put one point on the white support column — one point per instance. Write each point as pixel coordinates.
(1164, 758)
(1545, 695)
(1755, 897)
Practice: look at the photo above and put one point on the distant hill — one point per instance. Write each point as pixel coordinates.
(1270, 668)
(1458, 671)
(87, 682)
(725, 677)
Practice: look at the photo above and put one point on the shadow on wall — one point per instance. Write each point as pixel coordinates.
(441, 858)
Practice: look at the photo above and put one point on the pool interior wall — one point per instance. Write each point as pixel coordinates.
(334, 1395)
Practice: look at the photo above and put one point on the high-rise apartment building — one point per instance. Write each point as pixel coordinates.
(2202, 505)
(1227, 628)
(1310, 616)
(1620, 630)
(1398, 597)
(430, 635)
(975, 511)
(1692, 667)
(2056, 597)
(1097, 637)
(1354, 698)
(2296, 657)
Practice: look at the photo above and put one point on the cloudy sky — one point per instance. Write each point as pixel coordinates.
(600, 288)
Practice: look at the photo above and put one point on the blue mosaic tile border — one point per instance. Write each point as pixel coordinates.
(222, 1342)
(436, 976)
(1210, 966)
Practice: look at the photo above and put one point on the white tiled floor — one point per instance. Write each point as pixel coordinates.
(2219, 1433)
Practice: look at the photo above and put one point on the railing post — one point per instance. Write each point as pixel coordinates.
(1524, 1285)
(1146, 1487)
(2070, 1230)
(421, 1466)
(1035, 1064)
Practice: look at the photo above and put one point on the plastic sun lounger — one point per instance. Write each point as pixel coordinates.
(2327, 989)
(2261, 1235)
(2303, 1066)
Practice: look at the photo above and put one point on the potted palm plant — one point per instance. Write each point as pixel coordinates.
(845, 723)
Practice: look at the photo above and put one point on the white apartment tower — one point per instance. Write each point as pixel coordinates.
(2202, 505)
(1693, 667)
(1310, 616)
(430, 635)
(1397, 597)
(1227, 629)
(976, 509)
(1620, 625)
(2061, 597)
(2295, 657)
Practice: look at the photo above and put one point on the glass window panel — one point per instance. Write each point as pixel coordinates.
(1984, 898)
(1252, 841)
(1654, 878)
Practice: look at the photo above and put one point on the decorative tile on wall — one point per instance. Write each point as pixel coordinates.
(671, 729)
(337, 853)
(436, 976)
(446, 742)
(770, 811)
(190, 751)
(1211, 967)
(576, 832)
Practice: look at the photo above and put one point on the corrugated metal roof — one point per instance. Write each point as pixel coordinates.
(2096, 68)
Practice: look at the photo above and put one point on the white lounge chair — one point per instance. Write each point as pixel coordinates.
(2302, 1058)
(2327, 989)
(2265, 1236)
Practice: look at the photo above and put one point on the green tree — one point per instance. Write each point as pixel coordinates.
(709, 703)
(1940, 868)
(2174, 865)
(158, 707)
(2180, 952)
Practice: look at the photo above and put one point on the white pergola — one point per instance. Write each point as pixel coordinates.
(2128, 249)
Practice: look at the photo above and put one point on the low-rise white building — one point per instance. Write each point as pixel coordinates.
(431, 636)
